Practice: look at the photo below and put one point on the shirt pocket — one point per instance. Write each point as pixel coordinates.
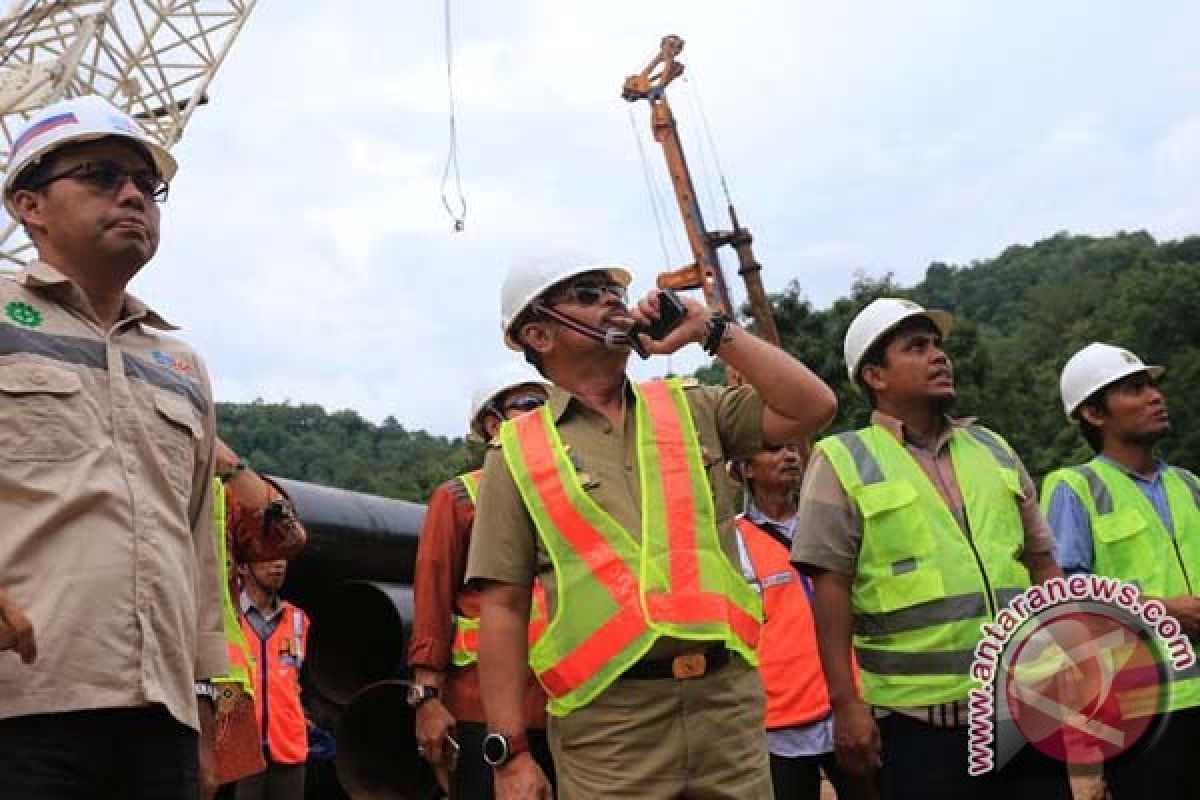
(175, 434)
(1126, 539)
(43, 413)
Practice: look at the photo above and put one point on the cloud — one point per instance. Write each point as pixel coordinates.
(308, 254)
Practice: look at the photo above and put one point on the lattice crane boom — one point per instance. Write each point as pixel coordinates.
(153, 58)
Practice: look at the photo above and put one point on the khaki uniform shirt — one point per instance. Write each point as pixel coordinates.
(505, 546)
(106, 453)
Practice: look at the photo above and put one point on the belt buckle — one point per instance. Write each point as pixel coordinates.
(686, 667)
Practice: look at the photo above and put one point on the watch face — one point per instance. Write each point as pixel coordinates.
(495, 749)
(415, 693)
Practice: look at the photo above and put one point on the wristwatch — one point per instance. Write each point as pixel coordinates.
(499, 749)
(419, 693)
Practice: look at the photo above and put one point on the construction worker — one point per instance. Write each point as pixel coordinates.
(443, 647)
(1128, 515)
(604, 496)
(916, 530)
(278, 635)
(252, 517)
(107, 433)
(799, 718)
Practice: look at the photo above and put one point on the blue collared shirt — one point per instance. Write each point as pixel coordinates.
(1072, 527)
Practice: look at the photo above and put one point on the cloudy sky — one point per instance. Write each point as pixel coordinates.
(307, 254)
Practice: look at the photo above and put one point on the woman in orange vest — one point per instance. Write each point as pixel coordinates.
(799, 722)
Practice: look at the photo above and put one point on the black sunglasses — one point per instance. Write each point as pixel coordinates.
(522, 403)
(109, 176)
(588, 293)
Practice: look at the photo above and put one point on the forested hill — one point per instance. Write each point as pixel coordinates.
(1020, 315)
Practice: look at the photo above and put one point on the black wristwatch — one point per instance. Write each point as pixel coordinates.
(499, 749)
(419, 693)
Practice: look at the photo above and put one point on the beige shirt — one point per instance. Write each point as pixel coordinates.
(828, 525)
(505, 546)
(106, 504)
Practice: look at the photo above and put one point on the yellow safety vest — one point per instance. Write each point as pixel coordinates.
(1131, 543)
(241, 661)
(923, 587)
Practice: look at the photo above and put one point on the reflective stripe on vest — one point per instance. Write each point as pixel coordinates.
(470, 482)
(614, 595)
(922, 586)
(284, 731)
(787, 646)
(1131, 543)
(465, 650)
(241, 661)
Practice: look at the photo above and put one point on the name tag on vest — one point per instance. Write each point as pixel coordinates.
(777, 579)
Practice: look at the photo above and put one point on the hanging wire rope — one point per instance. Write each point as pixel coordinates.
(457, 211)
(650, 189)
(712, 146)
(710, 213)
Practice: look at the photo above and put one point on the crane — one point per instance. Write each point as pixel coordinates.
(155, 59)
(705, 273)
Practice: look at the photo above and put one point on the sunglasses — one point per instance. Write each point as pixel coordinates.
(588, 293)
(109, 176)
(521, 403)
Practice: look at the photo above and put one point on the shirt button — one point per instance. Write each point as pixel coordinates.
(607, 428)
(38, 378)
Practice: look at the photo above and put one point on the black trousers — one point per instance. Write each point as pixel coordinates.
(921, 762)
(799, 778)
(106, 754)
(1166, 767)
(276, 782)
(473, 777)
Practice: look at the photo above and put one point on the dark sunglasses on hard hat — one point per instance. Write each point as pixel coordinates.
(522, 403)
(109, 176)
(590, 292)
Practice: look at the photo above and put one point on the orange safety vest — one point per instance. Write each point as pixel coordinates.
(277, 686)
(616, 595)
(787, 649)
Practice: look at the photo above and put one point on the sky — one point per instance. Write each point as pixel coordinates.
(307, 255)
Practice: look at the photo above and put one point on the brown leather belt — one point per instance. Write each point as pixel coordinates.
(682, 668)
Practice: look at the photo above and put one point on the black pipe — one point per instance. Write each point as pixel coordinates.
(377, 748)
(352, 536)
(359, 636)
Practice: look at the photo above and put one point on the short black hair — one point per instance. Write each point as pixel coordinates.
(1098, 402)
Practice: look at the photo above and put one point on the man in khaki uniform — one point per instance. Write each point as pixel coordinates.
(686, 717)
(107, 432)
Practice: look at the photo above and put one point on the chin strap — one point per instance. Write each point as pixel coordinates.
(612, 338)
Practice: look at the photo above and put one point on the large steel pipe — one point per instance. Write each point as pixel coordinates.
(352, 536)
(377, 748)
(359, 636)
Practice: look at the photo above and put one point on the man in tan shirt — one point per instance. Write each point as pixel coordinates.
(107, 431)
(686, 718)
(894, 354)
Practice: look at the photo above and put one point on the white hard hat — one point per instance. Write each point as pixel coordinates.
(497, 383)
(78, 119)
(879, 317)
(1095, 367)
(527, 280)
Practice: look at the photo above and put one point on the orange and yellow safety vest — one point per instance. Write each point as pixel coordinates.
(616, 595)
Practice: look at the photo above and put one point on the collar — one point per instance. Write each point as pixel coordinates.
(1160, 467)
(904, 434)
(561, 400)
(40, 275)
(246, 604)
(755, 515)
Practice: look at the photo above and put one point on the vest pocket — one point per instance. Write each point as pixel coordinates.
(1121, 541)
(897, 564)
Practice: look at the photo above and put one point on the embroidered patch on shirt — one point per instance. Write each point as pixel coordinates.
(172, 363)
(23, 314)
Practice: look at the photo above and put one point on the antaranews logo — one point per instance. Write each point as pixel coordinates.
(1082, 668)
